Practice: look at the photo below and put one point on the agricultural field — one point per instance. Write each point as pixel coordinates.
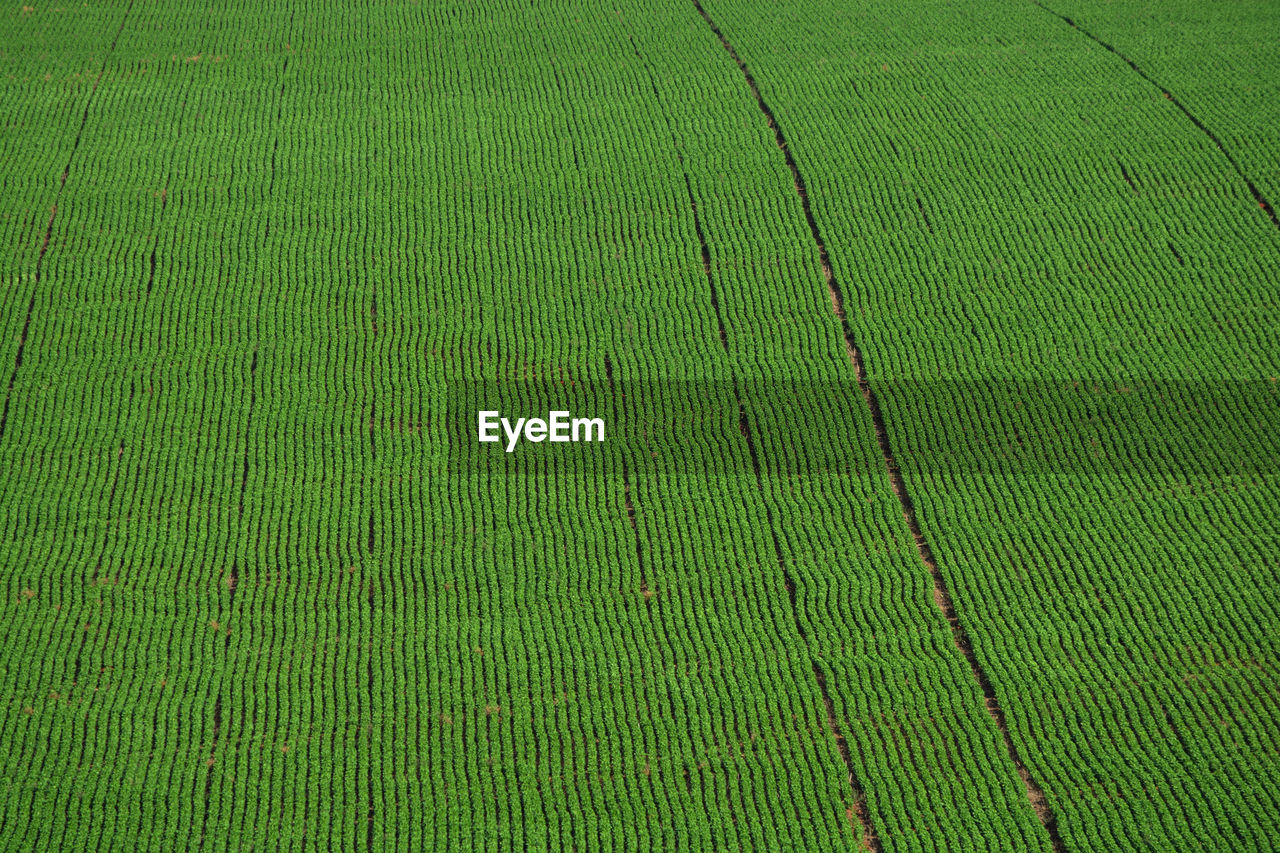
(935, 352)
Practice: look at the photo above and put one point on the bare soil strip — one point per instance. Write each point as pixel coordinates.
(208, 774)
(645, 589)
(48, 232)
(371, 814)
(1124, 173)
(1253, 189)
(941, 595)
(870, 840)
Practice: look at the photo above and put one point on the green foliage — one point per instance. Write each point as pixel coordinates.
(261, 266)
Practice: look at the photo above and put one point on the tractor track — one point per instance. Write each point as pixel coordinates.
(941, 593)
(870, 838)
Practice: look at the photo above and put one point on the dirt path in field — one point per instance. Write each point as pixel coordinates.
(1169, 96)
(941, 593)
(53, 214)
(858, 808)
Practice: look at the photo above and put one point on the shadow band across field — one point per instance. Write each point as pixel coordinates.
(1153, 428)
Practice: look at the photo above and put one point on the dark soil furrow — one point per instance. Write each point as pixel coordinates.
(244, 459)
(371, 815)
(1253, 189)
(208, 775)
(942, 596)
(645, 589)
(869, 837)
(1124, 173)
(48, 232)
(924, 215)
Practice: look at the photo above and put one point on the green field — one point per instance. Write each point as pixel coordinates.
(938, 350)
